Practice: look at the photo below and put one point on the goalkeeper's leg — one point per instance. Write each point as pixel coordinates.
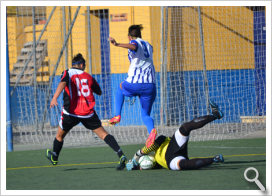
(184, 164)
(197, 163)
(199, 122)
(196, 123)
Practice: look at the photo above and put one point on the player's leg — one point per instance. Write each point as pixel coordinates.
(119, 101)
(133, 163)
(177, 155)
(197, 163)
(93, 123)
(180, 163)
(199, 122)
(196, 123)
(66, 123)
(109, 139)
(145, 150)
(147, 98)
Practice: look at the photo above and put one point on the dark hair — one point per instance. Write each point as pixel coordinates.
(135, 31)
(78, 59)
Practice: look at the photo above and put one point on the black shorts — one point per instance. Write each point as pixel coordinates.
(67, 122)
(174, 150)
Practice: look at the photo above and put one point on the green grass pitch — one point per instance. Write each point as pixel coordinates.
(93, 168)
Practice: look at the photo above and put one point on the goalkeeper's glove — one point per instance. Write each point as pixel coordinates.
(132, 165)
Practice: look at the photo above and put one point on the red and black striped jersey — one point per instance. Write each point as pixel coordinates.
(78, 98)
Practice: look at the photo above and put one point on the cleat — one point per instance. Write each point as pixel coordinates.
(122, 163)
(151, 139)
(215, 111)
(114, 120)
(218, 158)
(51, 156)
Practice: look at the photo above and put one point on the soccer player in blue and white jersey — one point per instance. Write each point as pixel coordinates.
(140, 81)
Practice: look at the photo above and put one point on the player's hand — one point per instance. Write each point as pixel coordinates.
(53, 103)
(132, 165)
(112, 41)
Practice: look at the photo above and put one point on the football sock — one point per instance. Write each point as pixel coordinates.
(110, 140)
(119, 100)
(195, 163)
(148, 121)
(57, 146)
(155, 146)
(196, 123)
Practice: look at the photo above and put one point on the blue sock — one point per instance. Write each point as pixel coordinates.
(119, 101)
(148, 121)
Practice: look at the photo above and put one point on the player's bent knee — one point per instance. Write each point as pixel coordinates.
(61, 134)
(183, 131)
(175, 163)
(181, 164)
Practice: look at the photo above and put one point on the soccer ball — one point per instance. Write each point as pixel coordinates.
(147, 161)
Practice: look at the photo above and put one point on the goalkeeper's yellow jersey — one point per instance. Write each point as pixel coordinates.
(160, 153)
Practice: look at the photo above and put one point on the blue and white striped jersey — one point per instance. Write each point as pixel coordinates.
(141, 69)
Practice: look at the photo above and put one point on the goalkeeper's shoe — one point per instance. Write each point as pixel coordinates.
(51, 157)
(122, 163)
(218, 158)
(151, 139)
(131, 165)
(115, 119)
(216, 112)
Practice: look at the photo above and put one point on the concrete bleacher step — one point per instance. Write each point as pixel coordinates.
(43, 78)
(253, 119)
(27, 77)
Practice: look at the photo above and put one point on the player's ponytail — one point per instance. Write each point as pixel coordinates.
(78, 59)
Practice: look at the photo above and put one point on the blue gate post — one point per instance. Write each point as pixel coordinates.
(9, 127)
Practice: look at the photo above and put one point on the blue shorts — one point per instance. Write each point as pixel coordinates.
(145, 91)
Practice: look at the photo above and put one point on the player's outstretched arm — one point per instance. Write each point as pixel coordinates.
(60, 88)
(127, 46)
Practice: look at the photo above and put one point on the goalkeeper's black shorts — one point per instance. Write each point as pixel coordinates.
(67, 122)
(174, 150)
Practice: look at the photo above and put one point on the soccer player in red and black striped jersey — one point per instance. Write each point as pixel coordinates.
(78, 106)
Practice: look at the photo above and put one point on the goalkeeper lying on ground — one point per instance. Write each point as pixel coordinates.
(171, 153)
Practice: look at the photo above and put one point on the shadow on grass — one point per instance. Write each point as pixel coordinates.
(227, 165)
(218, 167)
(235, 162)
(76, 169)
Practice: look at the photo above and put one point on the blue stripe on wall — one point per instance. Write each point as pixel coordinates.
(260, 60)
(234, 91)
